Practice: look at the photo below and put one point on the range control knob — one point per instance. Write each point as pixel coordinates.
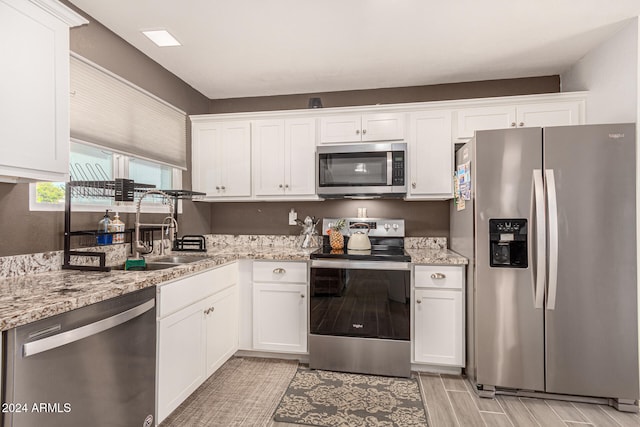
(387, 227)
(395, 227)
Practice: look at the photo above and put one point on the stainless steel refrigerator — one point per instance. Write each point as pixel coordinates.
(549, 226)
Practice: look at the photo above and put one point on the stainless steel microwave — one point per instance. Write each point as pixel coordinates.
(362, 170)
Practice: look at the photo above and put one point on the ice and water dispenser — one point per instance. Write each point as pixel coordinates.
(508, 240)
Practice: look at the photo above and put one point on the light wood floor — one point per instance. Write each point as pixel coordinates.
(450, 402)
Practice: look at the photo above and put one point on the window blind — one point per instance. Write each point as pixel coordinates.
(108, 111)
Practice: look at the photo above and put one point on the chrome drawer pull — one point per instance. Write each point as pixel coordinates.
(438, 276)
(279, 271)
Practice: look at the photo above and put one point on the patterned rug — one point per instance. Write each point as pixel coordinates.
(323, 398)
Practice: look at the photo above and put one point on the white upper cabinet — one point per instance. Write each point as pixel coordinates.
(221, 159)
(271, 155)
(283, 157)
(362, 128)
(549, 114)
(34, 105)
(563, 113)
(430, 155)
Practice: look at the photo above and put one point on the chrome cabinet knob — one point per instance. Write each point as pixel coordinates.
(280, 186)
(218, 187)
(357, 131)
(364, 131)
(521, 124)
(413, 185)
(513, 124)
(418, 301)
(223, 187)
(301, 295)
(436, 276)
(286, 186)
(279, 271)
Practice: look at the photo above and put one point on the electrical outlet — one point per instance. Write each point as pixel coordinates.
(293, 215)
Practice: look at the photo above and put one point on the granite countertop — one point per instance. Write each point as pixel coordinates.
(32, 297)
(436, 257)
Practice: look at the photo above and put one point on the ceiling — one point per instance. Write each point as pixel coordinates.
(242, 48)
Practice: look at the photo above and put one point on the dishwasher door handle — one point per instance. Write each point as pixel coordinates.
(55, 341)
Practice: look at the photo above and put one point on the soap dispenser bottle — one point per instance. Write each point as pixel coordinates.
(116, 226)
(103, 227)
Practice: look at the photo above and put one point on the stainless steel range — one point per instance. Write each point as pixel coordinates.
(360, 302)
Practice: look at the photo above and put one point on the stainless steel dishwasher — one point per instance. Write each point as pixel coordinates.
(91, 366)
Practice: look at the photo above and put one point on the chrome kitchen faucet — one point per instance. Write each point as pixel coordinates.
(140, 247)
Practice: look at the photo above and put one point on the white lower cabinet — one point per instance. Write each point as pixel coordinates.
(280, 301)
(439, 315)
(221, 329)
(197, 333)
(180, 357)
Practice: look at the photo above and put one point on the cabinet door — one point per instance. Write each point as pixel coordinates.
(221, 317)
(180, 357)
(383, 127)
(299, 157)
(206, 152)
(473, 119)
(34, 104)
(549, 114)
(438, 327)
(430, 154)
(340, 129)
(235, 161)
(268, 157)
(280, 317)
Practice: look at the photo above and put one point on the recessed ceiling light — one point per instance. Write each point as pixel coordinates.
(162, 38)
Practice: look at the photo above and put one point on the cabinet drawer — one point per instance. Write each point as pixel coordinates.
(434, 276)
(184, 292)
(280, 271)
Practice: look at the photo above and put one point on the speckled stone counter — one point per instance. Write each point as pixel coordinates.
(32, 297)
(37, 295)
(436, 257)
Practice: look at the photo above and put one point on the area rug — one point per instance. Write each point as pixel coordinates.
(327, 399)
(243, 392)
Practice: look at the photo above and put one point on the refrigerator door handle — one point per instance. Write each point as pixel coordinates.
(538, 272)
(552, 205)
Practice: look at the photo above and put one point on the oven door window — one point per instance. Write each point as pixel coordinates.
(360, 303)
(353, 169)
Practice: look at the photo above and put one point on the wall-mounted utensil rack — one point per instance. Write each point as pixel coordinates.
(123, 190)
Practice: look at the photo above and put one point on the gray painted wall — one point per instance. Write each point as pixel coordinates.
(23, 231)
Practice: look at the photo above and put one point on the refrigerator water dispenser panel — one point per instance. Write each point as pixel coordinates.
(508, 240)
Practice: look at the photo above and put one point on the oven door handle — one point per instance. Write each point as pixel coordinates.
(360, 265)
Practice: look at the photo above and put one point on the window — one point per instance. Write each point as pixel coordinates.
(92, 163)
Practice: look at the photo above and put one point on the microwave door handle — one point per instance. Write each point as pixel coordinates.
(389, 168)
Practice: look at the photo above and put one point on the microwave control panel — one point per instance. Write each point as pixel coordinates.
(398, 168)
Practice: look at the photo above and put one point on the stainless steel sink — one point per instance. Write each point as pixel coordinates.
(165, 262)
(180, 259)
(149, 266)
